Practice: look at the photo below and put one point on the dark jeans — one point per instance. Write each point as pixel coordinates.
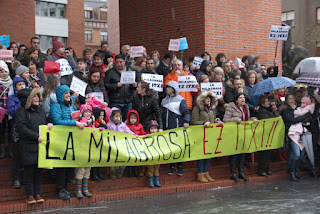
(32, 180)
(203, 165)
(173, 165)
(60, 179)
(264, 161)
(3, 128)
(124, 108)
(238, 157)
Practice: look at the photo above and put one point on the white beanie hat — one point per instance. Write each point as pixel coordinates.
(4, 66)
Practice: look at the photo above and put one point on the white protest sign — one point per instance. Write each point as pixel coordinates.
(78, 85)
(187, 84)
(98, 95)
(155, 81)
(197, 61)
(215, 87)
(240, 63)
(6, 55)
(128, 77)
(65, 67)
(136, 51)
(279, 33)
(174, 45)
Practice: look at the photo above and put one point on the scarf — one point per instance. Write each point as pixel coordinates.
(245, 112)
(59, 56)
(6, 82)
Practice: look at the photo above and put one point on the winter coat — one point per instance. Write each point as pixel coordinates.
(61, 113)
(46, 104)
(265, 113)
(136, 128)
(233, 113)
(98, 87)
(119, 95)
(121, 127)
(13, 102)
(175, 111)
(148, 108)
(163, 69)
(200, 113)
(287, 113)
(28, 118)
(203, 69)
(230, 95)
(146, 71)
(186, 95)
(101, 68)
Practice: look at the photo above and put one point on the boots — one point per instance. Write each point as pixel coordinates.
(150, 179)
(233, 169)
(78, 188)
(136, 172)
(201, 178)
(241, 169)
(113, 173)
(85, 191)
(292, 170)
(2, 151)
(156, 181)
(94, 176)
(99, 174)
(130, 172)
(208, 177)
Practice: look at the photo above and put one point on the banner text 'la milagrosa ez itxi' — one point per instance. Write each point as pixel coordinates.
(66, 146)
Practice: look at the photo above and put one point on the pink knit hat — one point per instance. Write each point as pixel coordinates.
(84, 108)
(56, 44)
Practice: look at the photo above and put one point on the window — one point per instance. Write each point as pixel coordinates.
(46, 42)
(288, 18)
(318, 15)
(50, 9)
(88, 14)
(104, 36)
(88, 35)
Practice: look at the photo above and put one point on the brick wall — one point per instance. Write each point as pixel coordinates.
(75, 15)
(18, 20)
(234, 27)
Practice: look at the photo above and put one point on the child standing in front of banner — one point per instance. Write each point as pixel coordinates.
(153, 170)
(175, 114)
(83, 173)
(115, 124)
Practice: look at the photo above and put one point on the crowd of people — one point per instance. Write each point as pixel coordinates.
(34, 92)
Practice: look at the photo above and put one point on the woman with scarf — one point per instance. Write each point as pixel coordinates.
(36, 74)
(5, 84)
(238, 111)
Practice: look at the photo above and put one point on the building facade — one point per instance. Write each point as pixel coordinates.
(236, 28)
(304, 18)
(46, 19)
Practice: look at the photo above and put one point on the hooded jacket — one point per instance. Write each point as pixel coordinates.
(61, 113)
(252, 66)
(13, 102)
(202, 114)
(175, 111)
(136, 128)
(121, 127)
(28, 118)
(203, 69)
(148, 108)
(186, 95)
(119, 95)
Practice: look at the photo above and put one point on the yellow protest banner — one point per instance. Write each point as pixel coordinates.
(66, 146)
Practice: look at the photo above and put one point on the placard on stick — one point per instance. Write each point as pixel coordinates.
(174, 45)
(78, 85)
(136, 51)
(279, 33)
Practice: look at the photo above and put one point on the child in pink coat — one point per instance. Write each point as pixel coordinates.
(296, 130)
(115, 124)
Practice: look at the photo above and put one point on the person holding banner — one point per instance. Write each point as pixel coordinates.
(28, 119)
(61, 114)
(238, 111)
(204, 114)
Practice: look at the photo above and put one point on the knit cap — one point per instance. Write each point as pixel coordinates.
(21, 69)
(56, 44)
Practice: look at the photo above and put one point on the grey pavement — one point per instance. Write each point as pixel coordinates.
(271, 197)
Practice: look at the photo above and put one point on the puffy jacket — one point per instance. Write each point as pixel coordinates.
(265, 113)
(121, 127)
(201, 114)
(233, 114)
(163, 69)
(136, 128)
(120, 95)
(148, 109)
(28, 119)
(175, 111)
(13, 102)
(61, 113)
(186, 95)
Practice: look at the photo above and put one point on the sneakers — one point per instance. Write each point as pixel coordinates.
(172, 170)
(38, 198)
(31, 200)
(180, 171)
(63, 194)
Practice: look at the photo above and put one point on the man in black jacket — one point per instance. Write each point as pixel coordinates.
(149, 67)
(120, 95)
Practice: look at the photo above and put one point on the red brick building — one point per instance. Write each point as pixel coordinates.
(236, 28)
(45, 19)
